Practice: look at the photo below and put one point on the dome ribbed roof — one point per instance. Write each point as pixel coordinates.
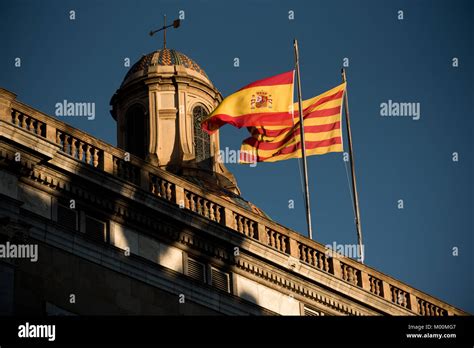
(164, 57)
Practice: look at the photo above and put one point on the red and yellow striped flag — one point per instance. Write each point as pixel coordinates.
(322, 129)
(263, 102)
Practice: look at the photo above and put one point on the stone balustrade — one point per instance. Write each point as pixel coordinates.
(277, 240)
(314, 256)
(427, 308)
(79, 149)
(246, 226)
(127, 171)
(102, 156)
(375, 286)
(203, 206)
(399, 297)
(351, 274)
(161, 187)
(28, 123)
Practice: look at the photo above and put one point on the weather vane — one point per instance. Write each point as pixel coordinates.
(175, 24)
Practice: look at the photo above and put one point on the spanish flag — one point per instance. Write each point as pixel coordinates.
(322, 129)
(263, 102)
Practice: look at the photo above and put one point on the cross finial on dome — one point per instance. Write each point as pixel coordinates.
(175, 24)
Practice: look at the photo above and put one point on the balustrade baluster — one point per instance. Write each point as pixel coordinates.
(162, 188)
(200, 207)
(96, 158)
(186, 200)
(314, 258)
(310, 256)
(73, 147)
(240, 226)
(252, 229)
(88, 153)
(320, 261)
(304, 252)
(277, 242)
(58, 140)
(211, 211)
(193, 202)
(67, 144)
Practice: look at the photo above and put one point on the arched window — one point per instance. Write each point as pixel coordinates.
(202, 141)
(136, 138)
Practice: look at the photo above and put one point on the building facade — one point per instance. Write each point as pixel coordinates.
(157, 225)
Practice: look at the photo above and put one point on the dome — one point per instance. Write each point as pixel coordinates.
(162, 57)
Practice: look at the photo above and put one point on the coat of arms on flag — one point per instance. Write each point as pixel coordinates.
(261, 100)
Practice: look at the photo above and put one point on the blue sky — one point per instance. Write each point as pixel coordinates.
(407, 60)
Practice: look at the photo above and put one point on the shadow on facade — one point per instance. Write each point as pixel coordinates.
(90, 275)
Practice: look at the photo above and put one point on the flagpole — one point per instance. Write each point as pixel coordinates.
(354, 183)
(302, 141)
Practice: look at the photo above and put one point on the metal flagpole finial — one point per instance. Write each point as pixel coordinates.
(176, 23)
(343, 73)
(295, 46)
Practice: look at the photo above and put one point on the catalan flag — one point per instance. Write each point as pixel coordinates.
(322, 122)
(263, 102)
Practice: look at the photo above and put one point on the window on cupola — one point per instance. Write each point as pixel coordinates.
(136, 139)
(202, 141)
